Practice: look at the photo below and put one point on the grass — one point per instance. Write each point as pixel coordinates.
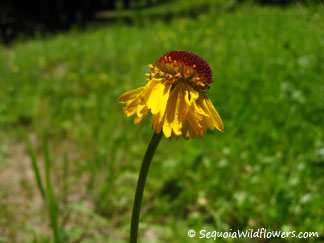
(49, 198)
(265, 170)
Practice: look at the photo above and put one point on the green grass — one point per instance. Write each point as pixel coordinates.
(265, 170)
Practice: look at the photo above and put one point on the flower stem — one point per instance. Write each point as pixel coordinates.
(141, 183)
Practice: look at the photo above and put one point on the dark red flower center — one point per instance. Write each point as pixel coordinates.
(190, 61)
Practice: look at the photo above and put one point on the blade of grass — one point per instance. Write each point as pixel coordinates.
(36, 171)
(52, 203)
(65, 190)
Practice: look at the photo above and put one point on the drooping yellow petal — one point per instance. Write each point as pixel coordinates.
(140, 109)
(191, 132)
(183, 108)
(154, 97)
(130, 95)
(156, 123)
(217, 118)
(158, 98)
(164, 100)
(203, 124)
(198, 111)
(175, 113)
(193, 122)
(170, 112)
(202, 104)
(149, 87)
(132, 103)
(180, 109)
(157, 117)
(130, 111)
(130, 107)
(185, 130)
(140, 118)
(190, 94)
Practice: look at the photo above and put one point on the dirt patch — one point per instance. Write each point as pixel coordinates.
(20, 198)
(23, 214)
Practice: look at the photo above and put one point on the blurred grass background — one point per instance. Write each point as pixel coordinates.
(265, 170)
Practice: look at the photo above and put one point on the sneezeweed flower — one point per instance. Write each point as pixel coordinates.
(175, 94)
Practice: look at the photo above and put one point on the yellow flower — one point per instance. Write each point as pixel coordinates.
(175, 94)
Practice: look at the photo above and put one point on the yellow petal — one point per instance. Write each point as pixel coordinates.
(170, 112)
(196, 118)
(130, 95)
(140, 109)
(131, 106)
(203, 124)
(190, 94)
(179, 111)
(156, 123)
(139, 119)
(164, 100)
(191, 132)
(185, 130)
(158, 98)
(154, 97)
(170, 121)
(193, 122)
(209, 120)
(130, 111)
(217, 118)
(176, 123)
(198, 112)
(175, 114)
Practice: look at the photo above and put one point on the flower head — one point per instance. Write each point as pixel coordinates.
(175, 94)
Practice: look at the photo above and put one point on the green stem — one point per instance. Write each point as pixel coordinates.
(141, 183)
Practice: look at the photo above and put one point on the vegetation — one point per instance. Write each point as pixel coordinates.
(265, 170)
